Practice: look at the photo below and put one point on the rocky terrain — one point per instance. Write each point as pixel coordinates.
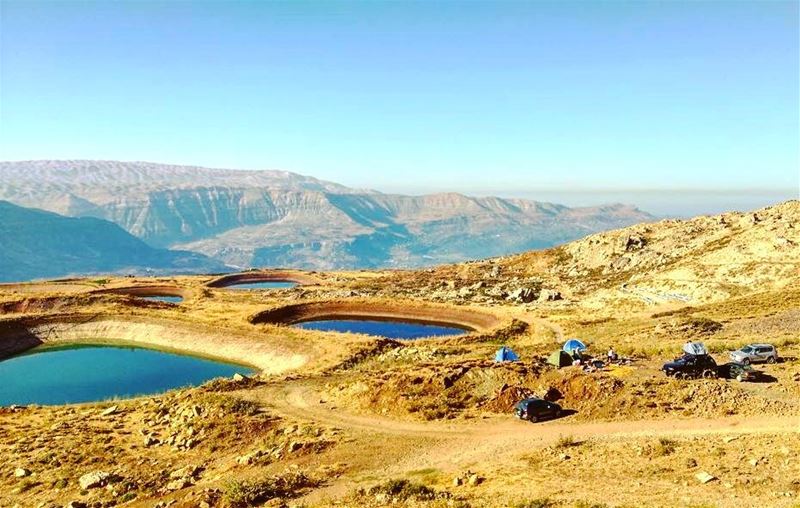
(359, 421)
(668, 262)
(38, 244)
(276, 218)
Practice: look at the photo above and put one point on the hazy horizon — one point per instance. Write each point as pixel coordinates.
(661, 202)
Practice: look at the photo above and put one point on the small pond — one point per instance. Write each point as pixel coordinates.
(61, 375)
(163, 298)
(263, 284)
(404, 330)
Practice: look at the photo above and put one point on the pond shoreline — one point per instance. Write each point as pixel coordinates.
(17, 336)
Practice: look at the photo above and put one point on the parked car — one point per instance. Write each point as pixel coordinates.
(755, 353)
(535, 409)
(738, 371)
(691, 366)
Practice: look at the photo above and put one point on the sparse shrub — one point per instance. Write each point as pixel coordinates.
(27, 485)
(537, 503)
(222, 384)
(404, 490)
(701, 325)
(565, 442)
(234, 405)
(128, 496)
(664, 447)
(505, 334)
(240, 494)
(588, 504)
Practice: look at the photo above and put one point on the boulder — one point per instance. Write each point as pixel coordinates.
(21, 472)
(239, 377)
(93, 480)
(549, 295)
(523, 295)
(186, 472)
(705, 477)
(179, 484)
(633, 243)
(109, 411)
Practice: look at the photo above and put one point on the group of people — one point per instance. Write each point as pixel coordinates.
(578, 358)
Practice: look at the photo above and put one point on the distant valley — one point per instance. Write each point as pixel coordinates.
(276, 218)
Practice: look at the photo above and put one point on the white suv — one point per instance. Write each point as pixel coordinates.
(754, 353)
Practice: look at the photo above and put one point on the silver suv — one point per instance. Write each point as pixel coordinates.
(755, 353)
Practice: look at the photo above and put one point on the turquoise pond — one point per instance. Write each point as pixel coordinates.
(163, 298)
(403, 330)
(60, 375)
(267, 284)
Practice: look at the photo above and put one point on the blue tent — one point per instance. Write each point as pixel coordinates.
(505, 354)
(573, 344)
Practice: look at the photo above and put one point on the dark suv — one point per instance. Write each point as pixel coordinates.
(691, 367)
(536, 409)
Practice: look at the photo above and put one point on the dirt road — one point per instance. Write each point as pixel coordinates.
(390, 447)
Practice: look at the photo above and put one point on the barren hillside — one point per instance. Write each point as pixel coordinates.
(704, 259)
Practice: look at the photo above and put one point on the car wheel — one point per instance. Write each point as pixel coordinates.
(680, 375)
(557, 414)
(746, 361)
(771, 359)
(709, 374)
(533, 419)
(739, 378)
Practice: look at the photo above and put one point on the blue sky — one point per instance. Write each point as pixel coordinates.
(515, 98)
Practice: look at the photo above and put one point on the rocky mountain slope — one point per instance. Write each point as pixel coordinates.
(708, 258)
(269, 218)
(38, 244)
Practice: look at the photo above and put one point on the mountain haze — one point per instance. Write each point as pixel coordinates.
(38, 244)
(263, 218)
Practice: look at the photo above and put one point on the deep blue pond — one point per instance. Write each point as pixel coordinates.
(391, 329)
(164, 298)
(267, 284)
(94, 373)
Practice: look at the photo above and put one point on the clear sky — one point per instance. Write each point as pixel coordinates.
(509, 98)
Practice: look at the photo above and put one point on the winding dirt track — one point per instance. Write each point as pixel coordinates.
(389, 447)
(300, 400)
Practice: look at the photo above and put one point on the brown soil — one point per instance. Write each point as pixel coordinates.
(142, 291)
(303, 278)
(380, 309)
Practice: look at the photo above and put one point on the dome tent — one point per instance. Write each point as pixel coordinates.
(573, 344)
(559, 359)
(505, 354)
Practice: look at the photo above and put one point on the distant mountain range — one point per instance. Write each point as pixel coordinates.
(38, 244)
(276, 218)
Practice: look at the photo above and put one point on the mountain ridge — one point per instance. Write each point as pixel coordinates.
(40, 244)
(269, 217)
